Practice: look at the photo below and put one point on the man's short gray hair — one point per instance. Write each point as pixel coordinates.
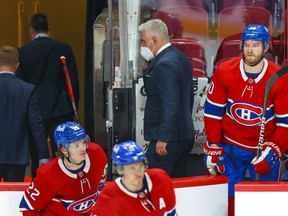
(155, 26)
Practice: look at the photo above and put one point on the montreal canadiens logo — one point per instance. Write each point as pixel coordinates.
(246, 114)
(83, 205)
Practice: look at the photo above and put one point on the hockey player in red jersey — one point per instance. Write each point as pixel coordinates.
(139, 191)
(233, 112)
(70, 183)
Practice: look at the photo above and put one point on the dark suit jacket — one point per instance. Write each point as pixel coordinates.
(169, 87)
(18, 113)
(40, 65)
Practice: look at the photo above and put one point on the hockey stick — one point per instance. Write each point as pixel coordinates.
(70, 89)
(269, 84)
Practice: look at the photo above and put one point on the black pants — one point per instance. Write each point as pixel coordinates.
(12, 172)
(174, 163)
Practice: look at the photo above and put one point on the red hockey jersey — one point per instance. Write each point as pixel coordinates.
(57, 191)
(233, 109)
(115, 200)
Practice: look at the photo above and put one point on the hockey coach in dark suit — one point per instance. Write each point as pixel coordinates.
(168, 112)
(40, 65)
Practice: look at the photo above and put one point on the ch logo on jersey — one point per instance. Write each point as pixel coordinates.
(83, 205)
(246, 114)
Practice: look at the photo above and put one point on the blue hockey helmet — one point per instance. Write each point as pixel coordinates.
(127, 152)
(256, 32)
(68, 132)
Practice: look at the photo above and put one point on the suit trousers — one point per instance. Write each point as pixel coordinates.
(12, 172)
(175, 162)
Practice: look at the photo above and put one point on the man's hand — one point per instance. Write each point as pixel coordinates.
(161, 148)
(214, 158)
(268, 158)
(43, 161)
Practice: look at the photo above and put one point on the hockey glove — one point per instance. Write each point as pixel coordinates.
(214, 159)
(267, 160)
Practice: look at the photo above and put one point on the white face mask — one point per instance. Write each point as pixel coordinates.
(146, 53)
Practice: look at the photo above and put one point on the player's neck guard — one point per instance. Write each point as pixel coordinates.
(68, 159)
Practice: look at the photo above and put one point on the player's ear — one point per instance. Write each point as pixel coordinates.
(64, 151)
(119, 169)
(266, 48)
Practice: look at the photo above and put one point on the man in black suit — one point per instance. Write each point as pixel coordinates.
(40, 65)
(18, 113)
(168, 112)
